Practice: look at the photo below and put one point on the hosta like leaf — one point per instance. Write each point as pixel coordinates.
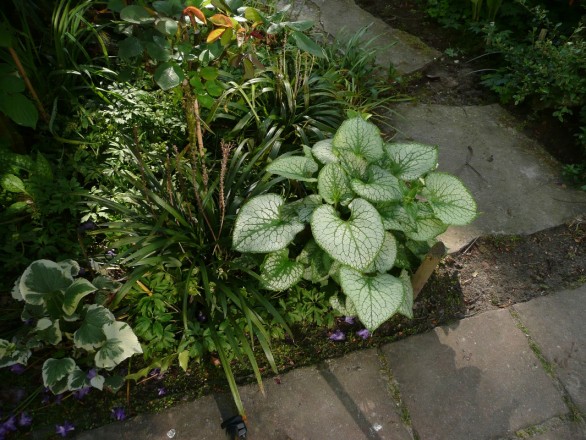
(90, 336)
(411, 160)
(75, 293)
(406, 308)
(43, 277)
(385, 260)
(55, 370)
(355, 242)
(294, 167)
(333, 184)
(49, 331)
(260, 226)
(376, 298)
(359, 137)
(121, 343)
(323, 151)
(451, 202)
(279, 273)
(381, 186)
(426, 229)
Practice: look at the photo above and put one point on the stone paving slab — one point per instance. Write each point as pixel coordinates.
(569, 431)
(477, 379)
(405, 52)
(557, 323)
(514, 181)
(345, 398)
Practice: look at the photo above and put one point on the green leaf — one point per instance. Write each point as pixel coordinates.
(11, 84)
(306, 44)
(184, 359)
(168, 7)
(209, 73)
(136, 14)
(294, 167)
(10, 354)
(451, 202)
(398, 216)
(158, 49)
(406, 308)
(427, 229)
(214, 88)
(121, 343)
(90, 336)
(168, 75)
(300, 26)
(333, 184)
(411, 160)
(359, 137)
(380, 186)
(167, 26)
(129, 48)
(302, 209)
(355, 242)
(55, 370)
(74, 294)
(253, 15)
(260, 227)
(41, 278)
(317, 262)
(20, 109)
(12, 183)
(376, 298)
(279, 273)
(385, 260)
(98, 381)
(323, 151)
(114, 383)
(116, 5)
(6, 39)
(77, 379)
(49, 331)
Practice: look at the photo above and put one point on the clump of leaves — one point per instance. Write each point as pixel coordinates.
(373, 207)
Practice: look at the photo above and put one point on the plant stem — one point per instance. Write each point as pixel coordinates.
(204, 170)
(29, 85)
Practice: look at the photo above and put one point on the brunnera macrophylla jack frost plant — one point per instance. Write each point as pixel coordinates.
(371, 204)
(56, 313)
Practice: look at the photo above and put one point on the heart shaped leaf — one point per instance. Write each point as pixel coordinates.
(426, 229)
(381, 186)
(55, 370)
(355, 242)
(121, 343)
(406, 308)
(410, 160)
(333, 184)
(294, 167)
(385, 260)
(376, 298)
(260, 226)
(90, 336)
(279, 273)
(359, 137)
(75, 293)
(451, 202)
(323, 151)
(397, 216)
(42, 278)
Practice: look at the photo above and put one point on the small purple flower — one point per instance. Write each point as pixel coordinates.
(58, 399)
(92, 373)
(10, 424)
(82, 271)
(81, 393)
(118, 413)
(65, 429)
(161, 391)
(111, 253)
(338, 335)
(364, 333)
(24, 419)
(17, 369)
(349, 319)
(201, 317)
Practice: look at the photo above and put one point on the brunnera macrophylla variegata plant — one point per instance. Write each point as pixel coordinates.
(57, 314)
(370, 204)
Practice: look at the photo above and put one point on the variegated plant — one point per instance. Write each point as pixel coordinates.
(373, 203)
(58, 316)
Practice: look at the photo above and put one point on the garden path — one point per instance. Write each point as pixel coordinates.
(518, 371)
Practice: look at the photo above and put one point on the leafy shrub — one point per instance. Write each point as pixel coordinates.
(57, 315)
(363, 190)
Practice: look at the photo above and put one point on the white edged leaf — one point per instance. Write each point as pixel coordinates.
(411, 160)
(385, 260)
(333, 184)
(406, 308)
(98, 381)
(260, 227)
(323, 152)
(450, 200)
(75, 293)
(48, 331)
(359, 137)
(89, 335)
(279, 273)
(380, 186)
(376, 298)
(55, 370)
(121, 343)
(10, 354)
(77, 379)
(294, 167)
(70, 266)
(355, 242)
(15, 292)
(41, 278)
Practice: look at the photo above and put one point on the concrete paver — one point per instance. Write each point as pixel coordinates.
(476, 379)
(515, 183)
(558, 325)
(568, 431)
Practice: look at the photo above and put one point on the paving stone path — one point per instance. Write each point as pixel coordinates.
(512, 373)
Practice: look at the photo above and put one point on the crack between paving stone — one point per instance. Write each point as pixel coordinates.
(540, 428)
(395, 392)
(574, 414)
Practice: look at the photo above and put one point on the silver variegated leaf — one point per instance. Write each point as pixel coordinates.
(411, 160)
(406, 308)
(333, 184)
(48, 331)
(380, 186)
(385, 260)
(43, 277)
(75, 293)
(57, 370)
(398, 216)
(323, 152)
(359, 137)
(279, 273)
(89, 335)
(450, 200)
(427, 229)
(294, 167)
(121, 343)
